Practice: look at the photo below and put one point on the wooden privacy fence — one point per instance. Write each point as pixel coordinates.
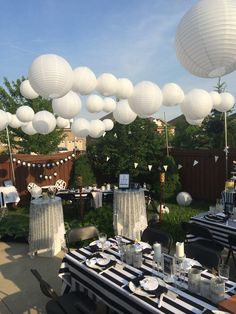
(34, 168)
(206, 179)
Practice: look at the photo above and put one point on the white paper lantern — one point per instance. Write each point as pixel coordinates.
(216, 99)
(36, 191)
(57, 163)
(68, 106)
(45, 177)
(80, 127)
(97, 128)
(27, 91)
(25, 113)
(109, 104)
(227, 102)
(172, 94)
(15, 122)
(28, 164)
(124, 88)
(28, 129)
(94, 103)
(107, 84)
(19, 162)
(3, 120)
(184, 199)
(44, 165)
(62, 123)
(14, 159)
(55, 174)
(194, 122)
(40, 176)
(84, 81)
(33, 165)
(206, 38)
(197, 104)
(123, 113)
(24, 163)
(9, 117)
(146, 98)
(109, 124)
(51, 76)
(164, 209)
(44, 122)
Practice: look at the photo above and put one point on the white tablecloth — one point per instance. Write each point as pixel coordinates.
(129, 213)
(46, 228)
(97, 198)
(10, 194)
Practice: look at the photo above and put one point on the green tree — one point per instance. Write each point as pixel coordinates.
(83, 168)
(10, 100)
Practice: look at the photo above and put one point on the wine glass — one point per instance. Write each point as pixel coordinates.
(102, 238)
(122, 251)
(224, 271)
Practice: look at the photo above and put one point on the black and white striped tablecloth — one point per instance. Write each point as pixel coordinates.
(219, 230)
(111, 286)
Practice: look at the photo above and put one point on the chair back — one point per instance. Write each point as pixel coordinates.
(46, 289)
(152, 235)
(60, 184)
(197, 230)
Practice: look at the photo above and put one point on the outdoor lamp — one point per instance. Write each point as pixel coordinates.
(107, 84)
(123, 113)
(84, 81)
(94, 103)
(27, 91)
(44, 122)
(25, 113)
(109, 104)
(80, 127)
(124, 88)
(67, 106)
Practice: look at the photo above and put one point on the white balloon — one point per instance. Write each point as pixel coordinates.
(44, 122)
(94, 103)
(84, 81)
(109, 104)
(25, 113)
(51, 76)
(107, 84)
(80, 127)
(123, 113)
(109, 124)
(97, 128)
(172, 94)
(3, 120)
(67, 106)
(124, 88)
(146, 98)
(184, 199)
(194, 122)
(27, 91)
(197, 104)
(216, 99)
(28, 129)
(227, 102)
(62, 123)
(15, 122)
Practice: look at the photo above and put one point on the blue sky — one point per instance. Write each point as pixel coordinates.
(128, 38)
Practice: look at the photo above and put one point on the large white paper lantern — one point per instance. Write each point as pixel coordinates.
(28, 128)
(194, 122)
(3, 120)
(27, 91)
(15, 122)
(80, 127)
(25, 113)
(109, 104)
(123, 113)
(227, 102)
(67, 106)
(96, 129)
(206, 38)
(51, 76)
(94, 103)
(107, 84)
(109, 124)
(146, 98)
(124, 88)
(9, 117)
(184, 199)
(216, 99)
(44, 122)
(172, 94)
(62, 123)
(84, 81)
(197, 104)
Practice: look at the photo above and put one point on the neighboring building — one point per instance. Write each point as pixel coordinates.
(70, 142)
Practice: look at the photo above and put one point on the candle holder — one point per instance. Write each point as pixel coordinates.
(179, 271)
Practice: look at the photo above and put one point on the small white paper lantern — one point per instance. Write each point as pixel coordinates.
(27, 91)
(216, 99)
(123, 113)
(62, 123)
(197, 104)
(184, 199)
(51, 76)
(44, 122)
(107, 84)
(164, 209)
(28, 129)
(94, 103)
(109, 104)
(97, 128)
(124, 88)
(25, 113)
(206, 38)
(84, 81)
(194, 122)
(227, 102)
(109, 124)
(55, 174)
(146, 98)
(68, 106)
(3, 120)
(172, 94)
(23, 163)
(15, 122)
(45, 177)
(80, 127)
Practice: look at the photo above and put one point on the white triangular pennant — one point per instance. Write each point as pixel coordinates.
(115, 135)
(216, 158)
(195, 163)
(104, 134)
(129, 132)
(135, 165)
(165, 167)
(108, 158)
(149, 167)
(180, 166)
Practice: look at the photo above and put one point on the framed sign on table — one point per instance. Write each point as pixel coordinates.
(124, 181)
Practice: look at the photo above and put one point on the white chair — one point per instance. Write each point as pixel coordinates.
(60, 184)
(34, 190)
(31, 185)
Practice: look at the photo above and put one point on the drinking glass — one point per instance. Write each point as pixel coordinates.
(122, 251)
(102, 238)
(224, 272)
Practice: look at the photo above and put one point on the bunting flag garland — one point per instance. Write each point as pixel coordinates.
(216, 158)
(195, 163)
(135, 165)
(180, 166)
(104, 134)
(149, 167)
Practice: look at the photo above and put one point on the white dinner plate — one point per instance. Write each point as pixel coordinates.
(91, 262)
(107, 244)
(149, 283)
(103, 261)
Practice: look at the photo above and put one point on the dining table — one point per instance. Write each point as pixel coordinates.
(10, 194)
(112, 284)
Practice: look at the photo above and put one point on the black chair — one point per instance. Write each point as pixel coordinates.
(73, 237)
(71, 303)
(232, 248)
(152, 235)
(206, 238)
(204, 255)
